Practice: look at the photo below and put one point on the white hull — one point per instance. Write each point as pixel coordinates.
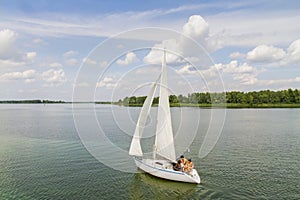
(164, 169)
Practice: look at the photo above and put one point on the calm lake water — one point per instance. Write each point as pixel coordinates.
(42, 157)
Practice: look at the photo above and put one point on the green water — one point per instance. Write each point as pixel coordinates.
(41, 157)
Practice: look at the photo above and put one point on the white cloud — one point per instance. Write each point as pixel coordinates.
(293, 53)
(187, 69)
(107, 82)
(70, 53)
(283, 81)
(72, 61)
(7, 63)
(269, 54)
(156, 54)
(69, 60)
(237, 55)
(89, 61)
(192, 45)
(10, 54)
(54, 77)
(206, 74)
(129, 58)
(196, 27)
(30, 55)
(265, 54)
(55, 64)
(7, 39)
(243, 73)
(28, 76)
(29, 80)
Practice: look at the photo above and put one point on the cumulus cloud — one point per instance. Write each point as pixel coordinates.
(129, 58)
(196, 27)
(187, 69)
(156, 54)
(107, 82)
(55, 64)
(28, 76)
(283, 81)
(237, 55)
(269, 54)
(183, 48)
(293, 53)
(30, 55)
(244, 73)
(207, 74)
(265, 54)
(7, 63)
(7, 39)
(10, 55)
(54, 77)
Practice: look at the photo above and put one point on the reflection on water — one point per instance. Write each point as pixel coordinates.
(144, 185)
(41, 157)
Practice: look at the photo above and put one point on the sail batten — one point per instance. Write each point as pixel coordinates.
(164, 143)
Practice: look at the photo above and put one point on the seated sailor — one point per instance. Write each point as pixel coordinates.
(189, 165)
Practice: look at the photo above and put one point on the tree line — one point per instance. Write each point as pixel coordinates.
(34, 101)
(289, 96)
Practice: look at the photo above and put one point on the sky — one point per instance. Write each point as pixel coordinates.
(106, 50)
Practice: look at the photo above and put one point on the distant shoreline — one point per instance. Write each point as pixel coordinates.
(227, 105)
(223, 105)
(38, 102)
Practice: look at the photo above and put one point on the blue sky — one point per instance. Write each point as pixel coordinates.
(50, 49)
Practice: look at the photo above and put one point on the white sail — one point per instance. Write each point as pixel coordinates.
(135, 147)
(164, 144)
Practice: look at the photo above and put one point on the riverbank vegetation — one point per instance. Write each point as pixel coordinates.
(235, 99)
(36, 101)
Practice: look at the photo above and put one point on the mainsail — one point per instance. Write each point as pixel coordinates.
(164, 143)
(135, 147)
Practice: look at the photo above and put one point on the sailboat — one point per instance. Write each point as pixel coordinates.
(164, 156)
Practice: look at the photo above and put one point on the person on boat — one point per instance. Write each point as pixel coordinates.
(183, 160)
(177, 166)
(189, 165)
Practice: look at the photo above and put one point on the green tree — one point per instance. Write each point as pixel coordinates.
(297, 96)
(291, 95)
(183, 99)
(155, 100)
(173, 99)
(132, 100)
(141, 100)
(126, 101)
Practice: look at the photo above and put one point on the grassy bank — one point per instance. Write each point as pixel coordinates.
(228, 105)
(239, 105)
